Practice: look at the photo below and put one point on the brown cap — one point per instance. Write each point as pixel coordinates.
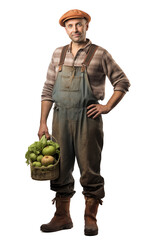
(75, 13)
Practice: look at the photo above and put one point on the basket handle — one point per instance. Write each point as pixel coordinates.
(52, 137)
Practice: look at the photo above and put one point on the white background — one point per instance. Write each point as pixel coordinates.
(130, 165)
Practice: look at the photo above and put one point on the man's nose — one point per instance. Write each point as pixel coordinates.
(75, 28)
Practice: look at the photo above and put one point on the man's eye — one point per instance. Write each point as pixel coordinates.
(79, 24)
(69, 26)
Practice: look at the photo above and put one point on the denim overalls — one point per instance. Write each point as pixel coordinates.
(77, 135)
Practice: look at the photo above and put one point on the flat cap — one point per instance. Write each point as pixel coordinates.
(75, 13)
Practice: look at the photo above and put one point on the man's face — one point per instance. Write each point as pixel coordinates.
(76, 29)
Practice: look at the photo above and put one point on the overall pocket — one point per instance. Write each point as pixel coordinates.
(70, 83)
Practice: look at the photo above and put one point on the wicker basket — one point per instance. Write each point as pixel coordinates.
(45, 173)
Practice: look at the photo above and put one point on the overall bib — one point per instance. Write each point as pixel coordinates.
(77, 135)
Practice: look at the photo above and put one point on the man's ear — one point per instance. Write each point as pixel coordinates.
(87, 26)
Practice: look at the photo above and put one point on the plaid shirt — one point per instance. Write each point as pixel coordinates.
(101, 65)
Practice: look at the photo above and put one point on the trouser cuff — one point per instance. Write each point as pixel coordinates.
(61, 195)
(95, 197)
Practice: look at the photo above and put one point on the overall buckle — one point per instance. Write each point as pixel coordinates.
(83, 67)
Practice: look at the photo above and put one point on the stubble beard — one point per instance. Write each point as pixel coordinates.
(80, 39)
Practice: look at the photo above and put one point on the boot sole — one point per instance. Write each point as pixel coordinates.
(66, 226)
(90, 232)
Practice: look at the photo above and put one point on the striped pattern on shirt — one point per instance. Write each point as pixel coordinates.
(101, 65)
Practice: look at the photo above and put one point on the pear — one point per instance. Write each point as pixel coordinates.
(50, 165)
(49, 150)
(39, 158)
(33, 157)
(37, 164)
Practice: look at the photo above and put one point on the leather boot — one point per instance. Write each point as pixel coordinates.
(61, 219)
(91, 209)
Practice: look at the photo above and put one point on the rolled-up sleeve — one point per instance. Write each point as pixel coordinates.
(115, 74)
(49, 83)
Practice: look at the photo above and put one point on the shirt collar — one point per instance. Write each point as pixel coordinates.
(85, 48)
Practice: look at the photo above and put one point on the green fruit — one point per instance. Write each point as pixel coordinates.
(33, 157)
(51, 165)
(49, 150)
(37, 164)
(39, 158)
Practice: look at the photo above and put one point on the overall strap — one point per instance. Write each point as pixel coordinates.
(89, 56)
(62, 57)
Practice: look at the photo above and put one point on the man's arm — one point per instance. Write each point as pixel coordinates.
(94, 110)
(118, 80)
(46, 97)
(45, 109)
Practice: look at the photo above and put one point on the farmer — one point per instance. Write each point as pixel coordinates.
(75, 82)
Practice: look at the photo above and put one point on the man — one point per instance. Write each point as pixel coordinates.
(75, 82)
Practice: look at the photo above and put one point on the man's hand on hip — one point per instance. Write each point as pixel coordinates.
(94, 110)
